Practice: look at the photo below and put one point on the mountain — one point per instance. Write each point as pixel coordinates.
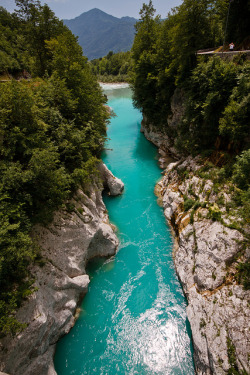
(100, 32)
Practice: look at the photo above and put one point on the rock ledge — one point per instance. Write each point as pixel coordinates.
(61, 280)
(205, 257)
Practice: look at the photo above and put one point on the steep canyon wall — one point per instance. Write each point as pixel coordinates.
(75, 236)
(207, 251)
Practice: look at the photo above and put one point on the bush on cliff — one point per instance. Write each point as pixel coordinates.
(52, 130)
(211, 116)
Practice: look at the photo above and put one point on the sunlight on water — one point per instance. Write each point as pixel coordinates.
(133, 320)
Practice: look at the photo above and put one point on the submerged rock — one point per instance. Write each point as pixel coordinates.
(66, 246)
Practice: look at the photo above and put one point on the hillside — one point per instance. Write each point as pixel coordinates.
(48, 148)
(196, 109)
(100, 32)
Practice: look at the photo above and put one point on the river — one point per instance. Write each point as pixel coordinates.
(133, 319)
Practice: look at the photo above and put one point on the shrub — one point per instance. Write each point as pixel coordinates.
(243, 274)
(214, 213)
(188, 203)
(241, 170)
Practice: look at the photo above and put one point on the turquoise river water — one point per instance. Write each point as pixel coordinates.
(133, 319)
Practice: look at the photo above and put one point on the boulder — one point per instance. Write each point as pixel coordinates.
(114, 185)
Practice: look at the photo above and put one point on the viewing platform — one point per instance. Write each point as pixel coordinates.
(223, 54)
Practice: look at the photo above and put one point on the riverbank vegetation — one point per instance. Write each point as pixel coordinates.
(52, 130)
(212, 94)
(53, 119)
(165, 58)
(115, 67)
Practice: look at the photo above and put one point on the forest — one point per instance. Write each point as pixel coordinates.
(52, 130)
(53, 119)
(165, 58)
(214, 91)
(115, 67)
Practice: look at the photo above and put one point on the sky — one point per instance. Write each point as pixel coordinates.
(67, 9)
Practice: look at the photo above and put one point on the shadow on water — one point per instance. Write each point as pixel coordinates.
(142, 151)
(133, 319)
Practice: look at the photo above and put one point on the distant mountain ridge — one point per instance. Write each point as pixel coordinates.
(100, 32)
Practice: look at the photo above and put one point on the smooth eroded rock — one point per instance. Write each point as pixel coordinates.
(61, 281)
(114, 185)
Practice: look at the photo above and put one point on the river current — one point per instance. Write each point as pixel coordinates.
(133, 319)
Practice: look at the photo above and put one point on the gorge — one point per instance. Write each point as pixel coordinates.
(133, 319)
(175, 298)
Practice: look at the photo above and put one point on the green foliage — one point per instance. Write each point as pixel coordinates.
(234, 122)
(115, 67)
(241, 173)
(164, 52)
(12, 50)
(243, 274)
(52, 131)
(191, 32)
(39, 25)
(182, 173)
(233, 370)
(241, 170)
(217, 91)
(245, 205)
(238, 21)
(24, 35)
(16, 253)
(209, 90)
(214, 213)
(202, 323)
(144, 52)
(188, 203)
(113, 79)
(47, 150)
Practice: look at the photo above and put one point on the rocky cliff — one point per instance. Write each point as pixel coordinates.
(77, 234)
(206, 254)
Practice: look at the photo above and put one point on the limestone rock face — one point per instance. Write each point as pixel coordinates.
(162, 141)
(166, 149)
(177, 108)
(206, 256)
(61, 281)
(114, 185)
(207, 251)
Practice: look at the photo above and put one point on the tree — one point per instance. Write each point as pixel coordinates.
(241, 170)
(234, 122)
(144, 55)
(164, 53)
(51, 131)
(190, 33)
(39, 25)
(12, 44)
(238, 21)
(209, 90)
